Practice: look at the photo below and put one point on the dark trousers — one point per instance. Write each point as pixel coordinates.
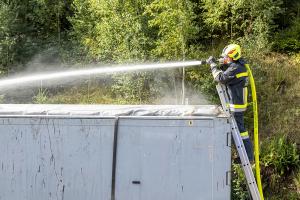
(239, 118)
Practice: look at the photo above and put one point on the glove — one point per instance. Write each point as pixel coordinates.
(212, 62)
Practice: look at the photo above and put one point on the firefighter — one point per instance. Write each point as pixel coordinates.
(234, 76)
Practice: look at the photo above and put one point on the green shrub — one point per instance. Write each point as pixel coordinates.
(280, 167)
(279, 162)
(280, 155)
(238, 183)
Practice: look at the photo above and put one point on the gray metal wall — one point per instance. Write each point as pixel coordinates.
(71, 159)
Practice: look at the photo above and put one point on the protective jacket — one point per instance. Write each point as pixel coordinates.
(235, 77)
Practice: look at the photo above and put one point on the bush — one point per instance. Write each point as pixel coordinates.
(238, 183)
(280, 155)
(279, 162)
(288, 40)
(280, 167)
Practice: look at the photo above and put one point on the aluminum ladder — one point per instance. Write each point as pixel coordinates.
(251, 182)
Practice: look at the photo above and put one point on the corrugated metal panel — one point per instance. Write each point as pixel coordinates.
(173, 160)
(55, 159)
(71, 158)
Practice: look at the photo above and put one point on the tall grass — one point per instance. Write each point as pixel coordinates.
(278, 88)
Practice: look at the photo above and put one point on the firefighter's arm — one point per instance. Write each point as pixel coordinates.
(219, 75)
(223, 77)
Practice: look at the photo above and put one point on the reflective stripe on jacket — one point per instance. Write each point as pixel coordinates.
(235, 77)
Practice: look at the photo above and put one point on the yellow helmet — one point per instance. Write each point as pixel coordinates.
(232, 51)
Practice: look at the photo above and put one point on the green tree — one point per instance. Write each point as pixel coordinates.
(288, 40)
(117, 32)
(7, 40)
(176, 30)
(113, 31)
(247, 21)
(176, 27)
(30, 26)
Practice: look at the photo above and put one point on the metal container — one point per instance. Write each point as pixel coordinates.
(76, 152)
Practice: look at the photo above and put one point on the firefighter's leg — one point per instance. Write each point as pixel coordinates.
(239, 118)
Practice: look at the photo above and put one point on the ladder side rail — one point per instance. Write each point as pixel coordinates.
(223, 98)
(246, 166)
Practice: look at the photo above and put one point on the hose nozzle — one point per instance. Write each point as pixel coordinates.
(203, 62)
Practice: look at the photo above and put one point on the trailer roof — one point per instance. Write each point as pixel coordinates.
(110, 110)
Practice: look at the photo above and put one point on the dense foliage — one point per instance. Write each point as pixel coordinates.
(66, 32)
(122, 31)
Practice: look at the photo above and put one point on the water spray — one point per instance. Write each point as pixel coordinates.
(93, 71)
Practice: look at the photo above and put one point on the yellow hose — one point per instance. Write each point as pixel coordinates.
(255, 119)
